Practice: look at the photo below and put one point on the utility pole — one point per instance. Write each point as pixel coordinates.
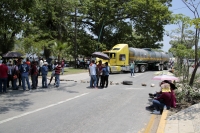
(100, 34)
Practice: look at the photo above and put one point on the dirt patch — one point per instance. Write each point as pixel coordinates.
(182, 106)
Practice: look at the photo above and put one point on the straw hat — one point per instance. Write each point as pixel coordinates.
(165, 87)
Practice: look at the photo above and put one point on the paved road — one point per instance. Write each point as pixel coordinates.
(75, 108)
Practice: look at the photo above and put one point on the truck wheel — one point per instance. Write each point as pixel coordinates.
(127, 82)
(142, 68)
(136, 69)
(158, 68)
(161, 67)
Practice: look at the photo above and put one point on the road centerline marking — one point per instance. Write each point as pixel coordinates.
(39, 109)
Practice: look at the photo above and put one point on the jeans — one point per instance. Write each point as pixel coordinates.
(132, 72)
(158, 105)
(34, 81)
(57, 76)
(10, 78)
(93, 80)
(4, 82)
(14, 84)
(99, 78)
(25, 77)
(44, 81)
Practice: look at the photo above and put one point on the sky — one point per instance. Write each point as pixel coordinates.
(177, 7)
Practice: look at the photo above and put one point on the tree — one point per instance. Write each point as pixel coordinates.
(183, 34)
(13, 16)
(110, 21)
(196, 22)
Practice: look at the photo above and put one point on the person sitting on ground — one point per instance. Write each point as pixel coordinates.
(172, 88)
(163, 100)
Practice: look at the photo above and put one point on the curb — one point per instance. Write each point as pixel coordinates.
(162, 123)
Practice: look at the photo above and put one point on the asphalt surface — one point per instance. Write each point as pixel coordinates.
(76, 108)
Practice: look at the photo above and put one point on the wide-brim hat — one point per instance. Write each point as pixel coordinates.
(45, 63)
(165, 87)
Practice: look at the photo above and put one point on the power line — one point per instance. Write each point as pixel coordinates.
(183, 7)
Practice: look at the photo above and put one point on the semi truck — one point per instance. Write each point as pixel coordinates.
(145, 59)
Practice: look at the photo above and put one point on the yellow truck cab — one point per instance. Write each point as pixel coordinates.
(119, 58)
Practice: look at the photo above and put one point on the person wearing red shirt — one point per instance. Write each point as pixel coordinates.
(57, 74)
(3, 77)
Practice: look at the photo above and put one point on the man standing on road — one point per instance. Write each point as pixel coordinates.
(99, 73)
(44, 75)
(34, 73)
(24, 70)
(41, 64)
(57, 74)
(132, 64)
(3, 77)
(92, 73)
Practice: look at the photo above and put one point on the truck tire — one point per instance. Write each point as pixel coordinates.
(142, 68)
(161, 67)
(136, 69)
(158, 68)
(127, 82)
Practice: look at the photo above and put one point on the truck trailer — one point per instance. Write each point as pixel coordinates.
(145, 59)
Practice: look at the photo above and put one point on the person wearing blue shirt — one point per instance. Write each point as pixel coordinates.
(132, 64)
(44, 71)
(24, 70)
(105, 73)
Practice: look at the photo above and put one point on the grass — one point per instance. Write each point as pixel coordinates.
(68, 70)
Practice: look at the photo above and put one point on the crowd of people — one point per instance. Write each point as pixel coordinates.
(17, 73)
(163, 99)
(99, 74)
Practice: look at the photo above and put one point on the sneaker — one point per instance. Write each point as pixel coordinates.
(156, 112)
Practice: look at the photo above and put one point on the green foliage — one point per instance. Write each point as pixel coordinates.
(13, 15)
(186, 93)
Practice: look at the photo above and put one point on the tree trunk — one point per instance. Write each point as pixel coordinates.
(196, 65)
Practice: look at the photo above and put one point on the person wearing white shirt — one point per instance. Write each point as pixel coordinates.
(92, 73)
(40, 64)
(10, 74)
(15, 73)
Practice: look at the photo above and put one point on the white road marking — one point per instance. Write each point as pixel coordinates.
(51, 105)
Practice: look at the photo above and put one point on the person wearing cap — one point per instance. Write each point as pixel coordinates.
(44, 71)
(3, 77)
(24, 70)
(163, 100)
(41, 64)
